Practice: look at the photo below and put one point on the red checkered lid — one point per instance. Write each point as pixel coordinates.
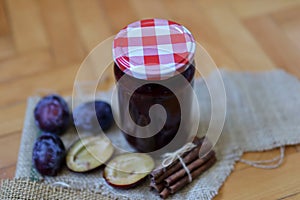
(153, 49)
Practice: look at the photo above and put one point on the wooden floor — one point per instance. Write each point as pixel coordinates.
(43, 42)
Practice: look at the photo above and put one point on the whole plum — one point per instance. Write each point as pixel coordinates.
(48, 154)
(90, 115)
(52, 114)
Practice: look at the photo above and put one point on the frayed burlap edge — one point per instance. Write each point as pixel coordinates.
(26, 189)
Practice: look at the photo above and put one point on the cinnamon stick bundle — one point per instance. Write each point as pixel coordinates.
(174, 177)
(161, 173)
(191, 167)
(182, 182)
(156, 173)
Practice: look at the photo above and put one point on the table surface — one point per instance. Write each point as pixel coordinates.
(42, 44)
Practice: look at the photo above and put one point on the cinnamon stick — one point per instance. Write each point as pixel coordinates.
(158, 187)
(165, 193)
(158, 177)
(198, 141)
(191, 167)
(185, 180)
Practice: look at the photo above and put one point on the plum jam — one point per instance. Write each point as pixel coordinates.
(154, 60)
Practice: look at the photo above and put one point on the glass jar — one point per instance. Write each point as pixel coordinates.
(150, 55)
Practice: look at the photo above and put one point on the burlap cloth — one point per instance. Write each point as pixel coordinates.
(262, 113)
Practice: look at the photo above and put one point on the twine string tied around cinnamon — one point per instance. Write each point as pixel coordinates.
(169, 158)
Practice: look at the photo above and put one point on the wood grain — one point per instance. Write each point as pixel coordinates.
(12, 119)
(33, 62)
(9, 149)
(43, 42)
(283, 52)
(241, 44)
(254, 183)
(27, 27)
(92, 26)
(63, 35)
(7, 48)
(7, 172)
(4, 25)
(59, 79)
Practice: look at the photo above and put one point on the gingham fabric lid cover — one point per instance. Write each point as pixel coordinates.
(153, 49)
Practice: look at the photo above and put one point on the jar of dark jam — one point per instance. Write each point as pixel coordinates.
(150, 56)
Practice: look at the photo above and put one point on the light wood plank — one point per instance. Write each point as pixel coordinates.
(61, 78)
(287, 16)
(293, 33)
(10, 148)
(12, 118)
(275, 43)
(6, 47)
(245, 8)
(237, 39)
(92, 26)
(266, 155)
(253, 183)
(199, 23)
(7, 172)
(63, 35)
(27, 26)
(25, 64)
(295, 196)
(4, 25)
(150, 9)
(119, 13)
(289, 22)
